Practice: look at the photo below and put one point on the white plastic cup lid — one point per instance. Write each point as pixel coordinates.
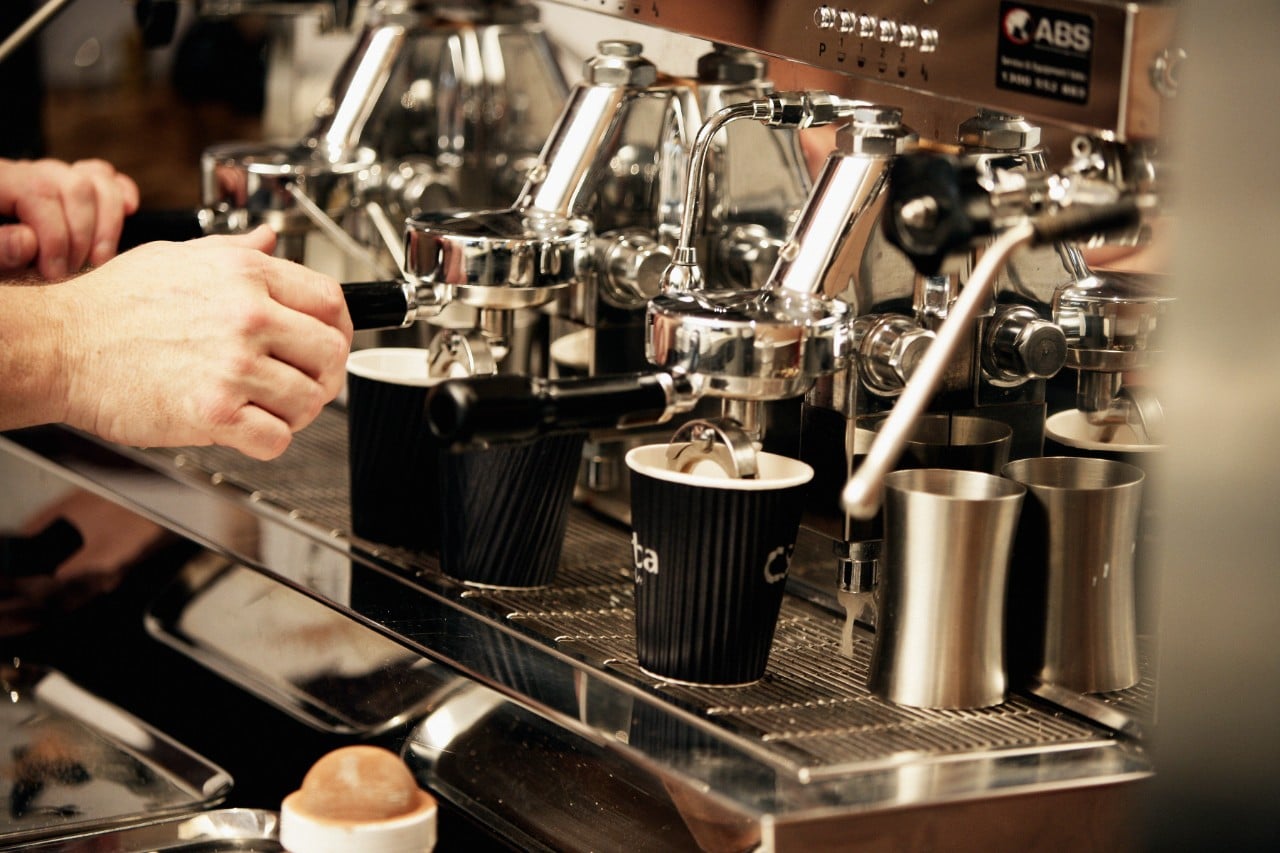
(397, 365)
(774, 471)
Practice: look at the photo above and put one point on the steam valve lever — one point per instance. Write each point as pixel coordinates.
(941, 205)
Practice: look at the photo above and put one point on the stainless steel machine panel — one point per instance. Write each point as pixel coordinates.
(1093, 66)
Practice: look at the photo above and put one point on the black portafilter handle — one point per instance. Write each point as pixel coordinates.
(516, 408)
(938, 207)
(149, 225)
(377, 304)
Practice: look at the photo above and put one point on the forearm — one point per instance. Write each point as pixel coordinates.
(34, 336)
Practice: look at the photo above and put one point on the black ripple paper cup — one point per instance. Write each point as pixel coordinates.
(392, 455)
(505, 510)
(711, 555)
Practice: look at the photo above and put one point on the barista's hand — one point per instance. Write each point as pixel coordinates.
(69, 214)
(212, 341)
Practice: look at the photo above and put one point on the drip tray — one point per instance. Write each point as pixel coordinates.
(72, 763)
(811, 716)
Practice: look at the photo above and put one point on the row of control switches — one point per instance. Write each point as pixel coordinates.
(924, 39)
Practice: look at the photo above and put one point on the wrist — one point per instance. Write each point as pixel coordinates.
(36, 360)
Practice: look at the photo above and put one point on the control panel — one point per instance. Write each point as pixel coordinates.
(903, 34)
(1104, 67)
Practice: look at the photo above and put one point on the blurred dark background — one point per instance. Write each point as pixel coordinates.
(86, 86)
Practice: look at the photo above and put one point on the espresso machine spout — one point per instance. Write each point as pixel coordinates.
(744, 346)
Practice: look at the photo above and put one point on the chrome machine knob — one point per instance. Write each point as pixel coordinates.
(1020, 346)
(619, 63)
(889, 347)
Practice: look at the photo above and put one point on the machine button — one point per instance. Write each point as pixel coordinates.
(848, 21)
(824, 17)
(868, 26)
(888, 31)
(928, 40)
(908, 35)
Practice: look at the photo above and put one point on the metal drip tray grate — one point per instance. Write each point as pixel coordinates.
(811, 712)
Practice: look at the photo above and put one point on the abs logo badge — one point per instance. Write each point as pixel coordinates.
(1024, 25)
(1045, 52)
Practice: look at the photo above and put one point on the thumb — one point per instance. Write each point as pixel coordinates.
(18, 246)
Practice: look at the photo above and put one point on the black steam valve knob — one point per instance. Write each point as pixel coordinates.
(936, 208)
(1021, 345)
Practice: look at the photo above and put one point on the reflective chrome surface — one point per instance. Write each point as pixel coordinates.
(250, 830)
(948, 50)
(442, 105)
(861, 496)
(940, 597)
(751, 345)
(1076, 608)
(825, 253)
(1113, 328)
(619, 158)
(332, 673)
(250, 184)
(73, 763)
(501, 259)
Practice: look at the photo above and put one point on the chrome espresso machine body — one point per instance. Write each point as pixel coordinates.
(438, 105)
(932, 266)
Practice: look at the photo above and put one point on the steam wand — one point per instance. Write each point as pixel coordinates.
(939, 209)
(779, 109)
(861, 495)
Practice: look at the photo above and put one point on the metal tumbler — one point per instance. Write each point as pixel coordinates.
(940, 596)
(1072, 610)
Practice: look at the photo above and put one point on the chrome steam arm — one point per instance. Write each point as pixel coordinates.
(939, 206)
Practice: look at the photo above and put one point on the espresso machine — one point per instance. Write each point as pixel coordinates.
(616, 162)
(931, 266)
(439, 105)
